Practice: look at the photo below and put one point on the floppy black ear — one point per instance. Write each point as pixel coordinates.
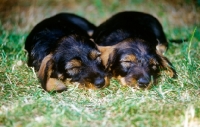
(44, 75)
(167, 65)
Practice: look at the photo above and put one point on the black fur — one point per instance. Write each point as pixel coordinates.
(65, 36)
(130, 24)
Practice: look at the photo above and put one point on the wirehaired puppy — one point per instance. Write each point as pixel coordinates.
(132, 46)
(60, 50)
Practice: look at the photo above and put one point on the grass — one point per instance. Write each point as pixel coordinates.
(172, 102)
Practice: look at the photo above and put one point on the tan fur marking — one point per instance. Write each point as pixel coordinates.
(52, 84)
(55, 85)
(122, 80)
(105, 53)
(107, 81)
(161, 48)
(89, 85)
(94, 54)
(153, 62)
(43, 66)
(169, 70)
(128, 58)
(73, 66)
(132, 83)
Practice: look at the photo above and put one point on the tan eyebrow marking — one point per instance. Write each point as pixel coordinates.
(73, 63)
(73, 67)
(130, 57)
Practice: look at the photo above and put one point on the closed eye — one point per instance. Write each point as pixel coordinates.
(73, 70)
(125, 61)
(126, 64)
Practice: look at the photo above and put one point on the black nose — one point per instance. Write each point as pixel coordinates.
(143, 82)
(99, 82)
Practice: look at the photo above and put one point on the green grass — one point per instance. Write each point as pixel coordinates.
(172, 102)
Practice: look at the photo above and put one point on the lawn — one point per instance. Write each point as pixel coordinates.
(172, 102)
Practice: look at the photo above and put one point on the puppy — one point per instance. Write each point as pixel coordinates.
(132, 46)
(60, 50)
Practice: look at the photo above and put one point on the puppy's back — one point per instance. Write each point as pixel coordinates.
(61, 21)
(129, 24)
(78, 21)
(43, 38)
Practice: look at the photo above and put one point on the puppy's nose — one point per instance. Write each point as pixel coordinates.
(99, 82)
(143, 82)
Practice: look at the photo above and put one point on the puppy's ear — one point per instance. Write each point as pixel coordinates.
(44, 75)
(111, 59)
(108, 54)
(167, 65)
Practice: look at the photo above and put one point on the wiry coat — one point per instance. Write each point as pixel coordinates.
(132, 46)
(59, 48)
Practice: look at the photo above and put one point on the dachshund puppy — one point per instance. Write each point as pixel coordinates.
(60, 50)
(132, 46)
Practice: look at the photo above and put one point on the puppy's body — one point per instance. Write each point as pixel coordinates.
(59, 48)
(131, 25)
(43, 38)
(135, 43)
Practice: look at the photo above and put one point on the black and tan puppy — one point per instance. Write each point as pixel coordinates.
(59, 49)
(132, 46)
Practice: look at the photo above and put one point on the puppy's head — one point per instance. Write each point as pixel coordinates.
(76, 58)
(134, 62)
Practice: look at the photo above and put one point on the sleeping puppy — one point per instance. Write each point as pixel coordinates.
(60, 50)
(132, 46)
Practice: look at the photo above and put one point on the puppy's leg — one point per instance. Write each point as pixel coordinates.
(45, 71)
(166, 64)
(161, 47)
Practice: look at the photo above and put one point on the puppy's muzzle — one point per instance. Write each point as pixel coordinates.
(99, 82)
(143, 82)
